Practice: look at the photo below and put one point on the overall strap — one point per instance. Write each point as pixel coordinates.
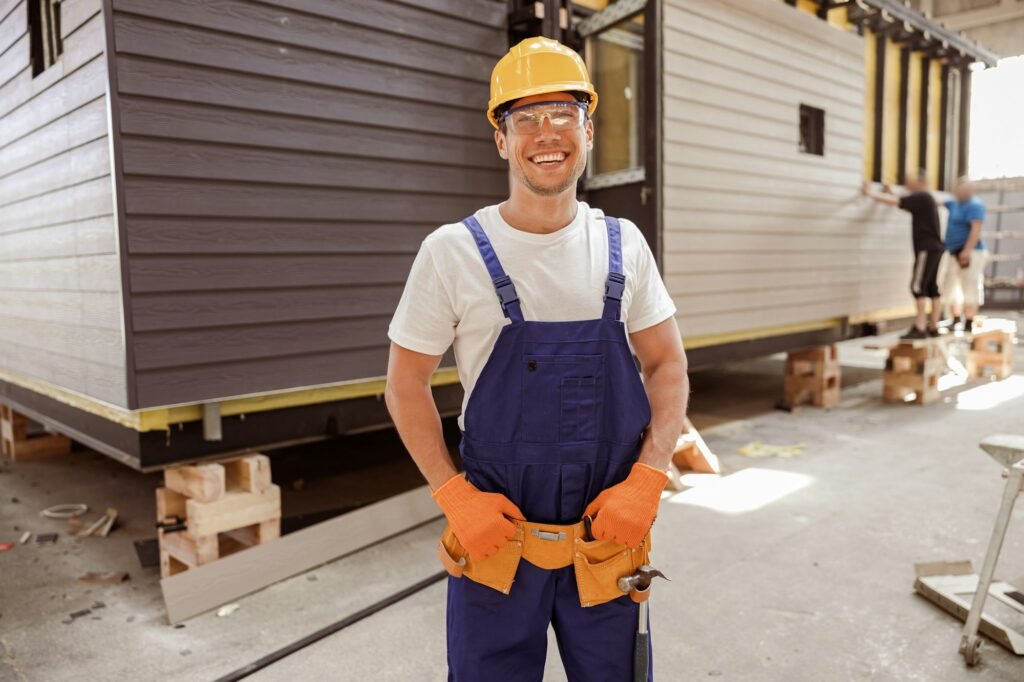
(616, 282)
(502, 283)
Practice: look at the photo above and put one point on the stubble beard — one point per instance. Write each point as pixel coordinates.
(570, 179)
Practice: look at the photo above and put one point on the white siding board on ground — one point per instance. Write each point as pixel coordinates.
(60, 274)
(757, 234)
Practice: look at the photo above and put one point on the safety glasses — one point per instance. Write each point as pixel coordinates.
(528, 119)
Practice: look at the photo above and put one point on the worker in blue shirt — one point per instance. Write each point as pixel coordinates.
(964, 284)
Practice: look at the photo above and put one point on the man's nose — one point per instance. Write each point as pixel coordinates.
(547, 129)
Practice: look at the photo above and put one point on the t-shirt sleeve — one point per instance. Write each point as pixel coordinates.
(909, 202)
(975, 211)
(651, 302)
(425, 319)
(949, 204)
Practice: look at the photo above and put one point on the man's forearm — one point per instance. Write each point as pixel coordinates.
(668, 391)
(973, 237)
(418, 423)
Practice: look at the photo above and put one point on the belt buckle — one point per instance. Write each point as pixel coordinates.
(548, 535)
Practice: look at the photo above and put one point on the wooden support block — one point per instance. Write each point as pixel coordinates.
(203, 482)
(250, 473)
(188, 549)
(169, 565)
(235, 510)
(258, 533)
(983, 365)
(169, 503)
(896, 386)
(817, 354)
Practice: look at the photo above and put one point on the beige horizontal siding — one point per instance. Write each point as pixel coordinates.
(757, 234)
(60, 274)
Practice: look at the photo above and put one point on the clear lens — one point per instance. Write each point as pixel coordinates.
(527, 120)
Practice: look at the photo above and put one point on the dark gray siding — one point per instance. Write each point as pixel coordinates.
(282, 162)
(60, 283)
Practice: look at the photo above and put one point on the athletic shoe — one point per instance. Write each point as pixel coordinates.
(914, 334)
(932, 332)
(968, 324)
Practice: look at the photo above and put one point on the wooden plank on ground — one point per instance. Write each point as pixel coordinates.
(206, 587)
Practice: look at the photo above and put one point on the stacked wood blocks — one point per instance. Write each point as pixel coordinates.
(914, 368)
(224, 507)
(991, 351)
(812, 376)
(18, 444)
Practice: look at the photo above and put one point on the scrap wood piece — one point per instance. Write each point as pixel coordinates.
(107, 578)
(206, 587)
(693, 453)
(759, 449)
(25, 537)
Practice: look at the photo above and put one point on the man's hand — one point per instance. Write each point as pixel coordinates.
(964, 258)
(625, 512)
(477, 518)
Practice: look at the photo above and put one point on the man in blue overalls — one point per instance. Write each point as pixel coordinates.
(542, 297)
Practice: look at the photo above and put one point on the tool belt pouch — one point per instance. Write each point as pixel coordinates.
(600, 563)
(496, 571)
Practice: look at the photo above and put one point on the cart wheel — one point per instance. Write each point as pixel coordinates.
(972, 653)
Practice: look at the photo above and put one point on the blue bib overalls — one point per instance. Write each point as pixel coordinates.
(556, 416)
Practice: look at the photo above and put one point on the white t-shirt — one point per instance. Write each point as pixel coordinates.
(560, 276)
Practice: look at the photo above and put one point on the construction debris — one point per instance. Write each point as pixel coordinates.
(4, 546)
(108, 578)
(102, 525)
(759, 449)
(64, 511)
(227, 610)
(25, 537)
(42, 538)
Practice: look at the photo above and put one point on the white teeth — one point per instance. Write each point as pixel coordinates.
(556, 156)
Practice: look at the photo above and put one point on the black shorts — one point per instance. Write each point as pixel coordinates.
(925, 282)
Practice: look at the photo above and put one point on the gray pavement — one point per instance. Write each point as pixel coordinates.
(791, 569)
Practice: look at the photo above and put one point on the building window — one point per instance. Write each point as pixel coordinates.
(812, 130)
(44, 28)
(615, 57)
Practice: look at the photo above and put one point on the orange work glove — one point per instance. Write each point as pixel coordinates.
(477, 518)
(627, 509)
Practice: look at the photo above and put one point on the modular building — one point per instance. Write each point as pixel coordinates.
(208, 210)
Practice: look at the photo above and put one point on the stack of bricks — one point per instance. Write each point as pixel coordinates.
(812, 376)
(17, 444)
(991, 351)
(914, 368)
(207, 511)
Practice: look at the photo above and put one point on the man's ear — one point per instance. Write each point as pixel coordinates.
(500, 143)
(590, 134)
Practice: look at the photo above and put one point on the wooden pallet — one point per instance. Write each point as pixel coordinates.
(914, 367)
(16, 443)
(812, 376)
(991, 351)
(224, 506)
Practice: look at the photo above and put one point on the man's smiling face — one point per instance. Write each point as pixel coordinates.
(547, 162)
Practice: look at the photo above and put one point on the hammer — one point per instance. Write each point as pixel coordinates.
(641, 582)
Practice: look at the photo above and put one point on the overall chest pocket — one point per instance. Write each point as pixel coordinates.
(562, 398)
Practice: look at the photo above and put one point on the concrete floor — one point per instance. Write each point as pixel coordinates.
(785, 569)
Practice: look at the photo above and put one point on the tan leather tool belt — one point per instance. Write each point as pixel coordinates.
(598, 563)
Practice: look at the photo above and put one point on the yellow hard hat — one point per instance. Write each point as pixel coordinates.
(534, 67)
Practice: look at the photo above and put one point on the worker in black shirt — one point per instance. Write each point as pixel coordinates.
(928, 250)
